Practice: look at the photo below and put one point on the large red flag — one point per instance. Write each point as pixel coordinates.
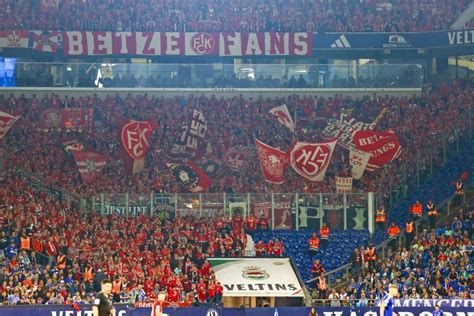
(311, 160)
(273, 162)
(383, 147)
(135, 138)
(6, 122)
(89, 164)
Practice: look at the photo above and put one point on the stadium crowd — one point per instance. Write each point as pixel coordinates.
(436, 264)
(232, 124)
(235, 16)
(50, 254)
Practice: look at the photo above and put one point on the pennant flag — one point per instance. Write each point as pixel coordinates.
(14, 39)
(190, 176)
(72, 145)
(283, 115)
(383, 147)
(311, 160)
(237, 158)
(343, 184)
(135, 137)
(89, 164)
(44, 41)
(6, 122)
(273, 162)
(358, 160)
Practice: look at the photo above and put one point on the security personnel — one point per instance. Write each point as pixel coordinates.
(380, 217)
(393, 232)
(432, 214)
(417, 210)
(371, 256)
(324, 234)
(322, 287)
(88, 274)
(61, 261)
(25, 242)
(313, 244)
(409, 233)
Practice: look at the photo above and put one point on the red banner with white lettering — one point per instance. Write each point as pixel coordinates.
(135, 138)
(186, 44)
(383, 147)
(273, 162)
(311, 160)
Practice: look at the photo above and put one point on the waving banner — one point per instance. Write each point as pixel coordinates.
(343, 184)
(273, 162)
(190, 176)
(238, 157)
(6, 122)
(344, 128)
(192, 140)
(311, 160)
(135, 138)
(383, 147)
(358, 160)
(89, 164)
(283, 115)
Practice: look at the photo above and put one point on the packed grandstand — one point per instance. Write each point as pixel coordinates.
(192, 188)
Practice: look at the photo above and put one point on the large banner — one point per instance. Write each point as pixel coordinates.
(273, 162)
(72, 118)
(400, 40)
(6, 122)
(383, 147)
(135, 137)
(311, 160)
(344, 128)
(186, 44)
(192, 139)
(266, 277)
(89, 164)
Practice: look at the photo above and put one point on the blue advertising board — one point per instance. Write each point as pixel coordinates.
(401, 40)
(405, 308)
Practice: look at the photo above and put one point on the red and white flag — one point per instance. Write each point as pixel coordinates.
(383, 147)
(44, 41)
(273, 162)
(358, 160)
(343, 184)
(6, 122)
(89, 164)
(135, 138)
(311, 160)
(14, 39)
(283, 116)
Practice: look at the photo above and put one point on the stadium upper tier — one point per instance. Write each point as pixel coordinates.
(424, 125)
(233, 16)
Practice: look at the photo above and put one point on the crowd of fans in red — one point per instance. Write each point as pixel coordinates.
(234, 16)
(49, 253)
(423, 124)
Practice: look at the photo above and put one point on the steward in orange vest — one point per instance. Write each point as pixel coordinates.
(380, 217)
(324, 234)
(25, 242)
(417, 210)
(409, 233)
(322, 287)
(313, 244)
(61, 261)
(393, 232)
(432, 214)
(116, 289)
(88, 274)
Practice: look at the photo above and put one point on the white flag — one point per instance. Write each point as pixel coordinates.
(358, 160)
(6, 121)
(283, 115)
(343, 184)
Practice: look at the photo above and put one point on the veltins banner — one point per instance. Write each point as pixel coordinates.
(273, 277)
